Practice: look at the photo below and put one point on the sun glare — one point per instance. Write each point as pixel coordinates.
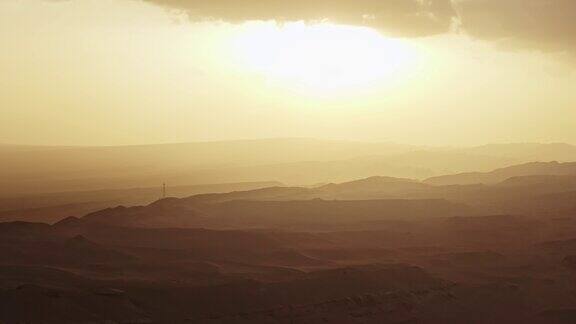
(323, 58)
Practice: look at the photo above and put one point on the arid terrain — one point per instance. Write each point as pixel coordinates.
(494, 246)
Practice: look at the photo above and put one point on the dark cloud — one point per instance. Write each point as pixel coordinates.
(543, 24)
(402, 17)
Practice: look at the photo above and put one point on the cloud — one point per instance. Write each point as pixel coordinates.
(400, 17)
(542, 24)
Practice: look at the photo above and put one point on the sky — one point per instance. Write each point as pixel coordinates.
(426, 72)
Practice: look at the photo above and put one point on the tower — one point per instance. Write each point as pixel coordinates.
(164, 190)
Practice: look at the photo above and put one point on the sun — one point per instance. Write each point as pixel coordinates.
(323, 58)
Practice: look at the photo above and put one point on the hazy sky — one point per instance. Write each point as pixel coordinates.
(411, 71)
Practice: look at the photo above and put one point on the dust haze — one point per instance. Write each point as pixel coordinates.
(194, 161)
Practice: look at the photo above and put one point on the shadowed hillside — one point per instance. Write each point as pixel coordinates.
(485, 247)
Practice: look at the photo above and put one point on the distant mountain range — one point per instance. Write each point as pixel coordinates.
(52, 207)
(37, 169)
(506, 190)
(372, 199)
(528, 169)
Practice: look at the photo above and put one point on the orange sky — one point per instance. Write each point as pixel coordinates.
(123, 72)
